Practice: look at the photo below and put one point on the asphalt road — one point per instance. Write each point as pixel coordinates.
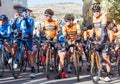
(41, 78)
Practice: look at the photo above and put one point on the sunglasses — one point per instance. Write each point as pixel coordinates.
(47, 15)
(96, 11)
(67, 20)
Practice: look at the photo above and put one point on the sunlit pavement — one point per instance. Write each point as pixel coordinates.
(41, 78)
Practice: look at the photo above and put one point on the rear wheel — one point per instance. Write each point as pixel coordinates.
(1, 64)
(16, 61)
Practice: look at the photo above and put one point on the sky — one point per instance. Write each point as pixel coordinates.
(36, 2)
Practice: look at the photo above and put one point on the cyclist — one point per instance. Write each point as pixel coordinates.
(72, 32)
(49, 28)
(117, 40)
(5, 33)
(86, 34)
(26, 25)
(62, 55)
(101, 36)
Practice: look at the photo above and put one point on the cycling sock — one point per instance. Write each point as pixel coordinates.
(69, 67)
(100, 73)
(108, 74)
(33, 69)
(60, 71)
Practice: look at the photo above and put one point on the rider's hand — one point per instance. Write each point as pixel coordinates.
(97, 42)
(55, 38)
(48, 37)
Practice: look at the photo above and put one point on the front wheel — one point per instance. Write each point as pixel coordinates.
(95, 67)
(48, 63)
(76, 64)
(118, 62)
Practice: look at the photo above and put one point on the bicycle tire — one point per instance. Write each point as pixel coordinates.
(38, 60)
(76, 64)
(47, 63)
(16, 72)
(119, 62)
(1, 64)
(25, 61)
(95, 67)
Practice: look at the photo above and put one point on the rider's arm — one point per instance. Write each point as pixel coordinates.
(104, 30)
(64, 31)
(9, 31)
(78, 29)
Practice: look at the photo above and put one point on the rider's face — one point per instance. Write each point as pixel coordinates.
(48, 17)
(97, 13)
(68, 22)
(2, 22)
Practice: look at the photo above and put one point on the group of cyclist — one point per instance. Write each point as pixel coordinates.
(23, 26)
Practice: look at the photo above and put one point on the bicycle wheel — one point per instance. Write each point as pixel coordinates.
(76, 64)
(95, 66)
(25, 60)
(38, 60)
(48, 63)
(1, 64)
(119, 62)
(16, 60)
(55, 62)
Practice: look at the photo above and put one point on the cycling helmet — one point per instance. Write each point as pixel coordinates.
(22, 9)
(49, 12)
(96, 7)
(69, 17)
(3, 17)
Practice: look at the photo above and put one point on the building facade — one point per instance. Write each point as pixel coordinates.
(9, 7)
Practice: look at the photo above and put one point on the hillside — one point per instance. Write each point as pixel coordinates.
(60, 10)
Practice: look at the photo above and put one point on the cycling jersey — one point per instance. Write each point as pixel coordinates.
(71, 33)
(100, 28)
(117, 35)
(111, 35)
(50, 28)
(27, 26)
(87, 34)
(5, 30)
(61, 43)
(16, 23)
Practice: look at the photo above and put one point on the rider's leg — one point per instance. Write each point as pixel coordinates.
(62, 55)
(31, 57)
(108, 65)
(7, 47)
(14, 48)
(69, 60)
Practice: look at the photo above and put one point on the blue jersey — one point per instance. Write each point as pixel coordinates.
(62, 39)
(5, 30)
(27, 26)
(16, 25)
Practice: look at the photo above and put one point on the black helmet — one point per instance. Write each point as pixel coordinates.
(96, 7)
(3, 17)
(69, 17)
(49, 12)
(22, 9)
